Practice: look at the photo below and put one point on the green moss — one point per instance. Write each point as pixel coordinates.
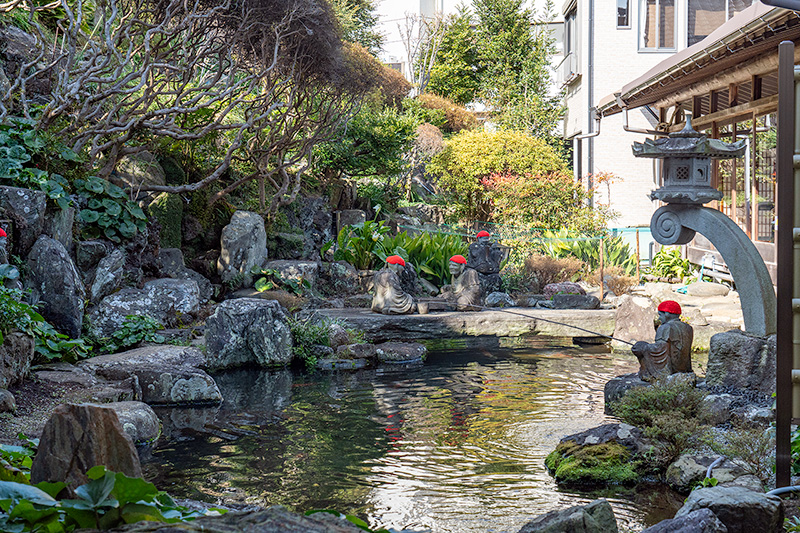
(173, 173)
(168, 210)
(285, 245)
(597, 464)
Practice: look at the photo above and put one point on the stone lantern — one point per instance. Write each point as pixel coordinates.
(686, 170)
(686, 178)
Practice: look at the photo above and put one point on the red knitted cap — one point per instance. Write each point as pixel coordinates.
(458, 259)
(395, 260)
(3, 233)
(483, 233)
(669, 306)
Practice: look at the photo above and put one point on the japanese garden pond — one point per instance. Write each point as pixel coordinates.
(454, 445)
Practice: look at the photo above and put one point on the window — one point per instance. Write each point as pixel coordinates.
(623, 20)
(658, 24)
(706, 16)
(569, 33)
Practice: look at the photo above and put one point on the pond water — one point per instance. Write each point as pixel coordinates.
(455, 445)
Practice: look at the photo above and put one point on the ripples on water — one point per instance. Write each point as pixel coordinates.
(455, 445)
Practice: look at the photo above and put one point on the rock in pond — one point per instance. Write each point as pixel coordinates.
(138, 420)
(16, 356)
(688, 470)
(58, 285)
(248, 331)
(272, 520)
(596, 517)
(699, 521)
(565, 287)
(740, 509)
(616, 388)
(356, 351)
(598, 456)
(400, 352)
(168, 375)
(79, 437)
(738, 360)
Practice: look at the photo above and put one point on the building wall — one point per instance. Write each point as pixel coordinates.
(618, 59)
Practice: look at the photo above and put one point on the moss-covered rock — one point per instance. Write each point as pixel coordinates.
(168, 210)
(594, 464)
(173, 172)
(285, 245)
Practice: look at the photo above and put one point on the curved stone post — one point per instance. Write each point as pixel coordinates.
(678, 223)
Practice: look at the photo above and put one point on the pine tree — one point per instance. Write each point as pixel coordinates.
(456, 73)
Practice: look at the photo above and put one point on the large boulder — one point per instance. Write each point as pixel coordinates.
(699, 521)
(634, 321)
(7, 402)
(705, 289)
(340, 278)
(167, 375)
(165, 300)
(26, 209)
(58, 285)
(296, 270)
(248, 331)
(108, 276)
(172, 265)
(400, 352)
(740, 509)
(168, 210)
(564, 287)
(89, 253)
(79, 437)
(138, 420)
(243, 246)
(738, 360)
(16, 356)
(596, 517)
(598, 456)
(59, 225)
(688, 470)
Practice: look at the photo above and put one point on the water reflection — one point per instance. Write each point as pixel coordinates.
(457, 444)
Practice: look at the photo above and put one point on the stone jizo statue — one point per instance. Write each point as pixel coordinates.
(484, 255)
(389, 297)
(466, 291)
(671, 353)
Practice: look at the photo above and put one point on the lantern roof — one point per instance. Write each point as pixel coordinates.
(688, 143)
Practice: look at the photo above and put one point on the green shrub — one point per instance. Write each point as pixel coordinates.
(668, 410)
(359, 244)
(457, 118)
(135, 329)
(306, 334)
(470, 157)
(668, 263)
(16, 461)
(107, 501)
(109, 213)
(429, 253)
(753, 449)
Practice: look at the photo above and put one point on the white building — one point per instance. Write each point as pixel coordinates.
(606, 44)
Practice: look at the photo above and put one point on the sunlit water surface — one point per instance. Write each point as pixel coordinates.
(455, 445)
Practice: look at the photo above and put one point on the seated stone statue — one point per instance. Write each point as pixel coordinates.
(485, 257)
(388, 296)
(4, 252)
(671, 352)
(465, 292)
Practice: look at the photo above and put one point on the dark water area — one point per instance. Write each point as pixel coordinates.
(454, 445)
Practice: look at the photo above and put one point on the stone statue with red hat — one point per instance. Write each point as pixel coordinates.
(485, 257)
(671, 352)
(388, 296)
(3, 247)
(466, 291)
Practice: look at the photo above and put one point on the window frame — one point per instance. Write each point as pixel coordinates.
(728, 16)
(642, 18)
(627, 15)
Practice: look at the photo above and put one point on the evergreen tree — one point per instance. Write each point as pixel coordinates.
(358, 20)
(456, 74)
